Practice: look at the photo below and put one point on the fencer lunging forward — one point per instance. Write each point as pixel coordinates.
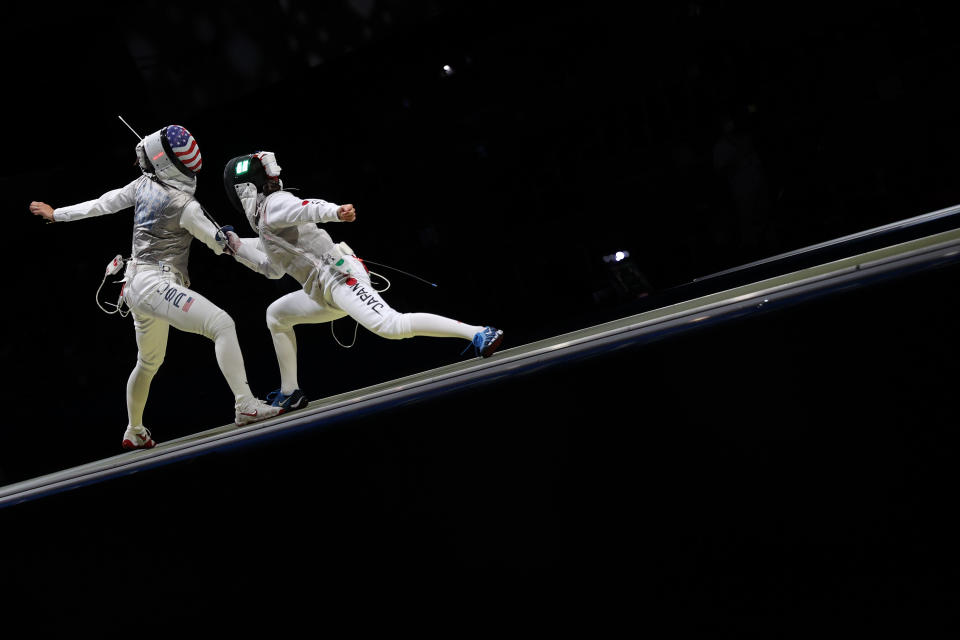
(167, 218)
(334, 282)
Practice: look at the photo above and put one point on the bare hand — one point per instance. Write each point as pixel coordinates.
(42, 209)
(347, 213)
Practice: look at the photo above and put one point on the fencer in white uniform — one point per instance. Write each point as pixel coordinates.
(167, 217)
(334, 282)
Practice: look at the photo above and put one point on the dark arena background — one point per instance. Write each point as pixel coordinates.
(720, 238)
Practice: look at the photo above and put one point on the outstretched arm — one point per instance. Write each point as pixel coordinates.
(245, 252)
(290, 211)
(226, 241)
(110, 202)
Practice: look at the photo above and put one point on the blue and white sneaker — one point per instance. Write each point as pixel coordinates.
(487, 341)
(295, 400)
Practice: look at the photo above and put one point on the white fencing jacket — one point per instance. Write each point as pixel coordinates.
(290, 242)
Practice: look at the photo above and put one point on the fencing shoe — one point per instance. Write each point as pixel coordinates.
(254, 410)
(487, 341)
(138, 438)
(295, 400)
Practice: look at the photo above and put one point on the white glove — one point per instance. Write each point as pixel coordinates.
(223, 239)
(269, 162)
(233, 242)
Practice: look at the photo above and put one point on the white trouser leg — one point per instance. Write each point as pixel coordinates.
(151, 348)
(282, 315)
(159, 296)
(374, 313)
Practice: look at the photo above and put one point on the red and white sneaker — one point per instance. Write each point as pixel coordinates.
(254, 410)
(138, 438)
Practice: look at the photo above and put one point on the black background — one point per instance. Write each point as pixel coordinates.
(564, 133)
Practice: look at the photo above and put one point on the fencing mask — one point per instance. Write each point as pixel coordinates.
(171, 154)
(258, 169)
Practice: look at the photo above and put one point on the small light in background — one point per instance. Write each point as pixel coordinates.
(617, 257)
(447, 71)
(624, 280)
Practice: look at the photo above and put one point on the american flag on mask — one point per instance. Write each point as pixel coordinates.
(185, 147)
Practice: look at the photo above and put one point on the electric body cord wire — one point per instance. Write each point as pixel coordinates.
(118, 307)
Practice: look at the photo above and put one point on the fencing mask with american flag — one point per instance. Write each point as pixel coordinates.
(171, 153)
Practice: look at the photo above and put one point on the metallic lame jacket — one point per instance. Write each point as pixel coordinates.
(166, 219)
